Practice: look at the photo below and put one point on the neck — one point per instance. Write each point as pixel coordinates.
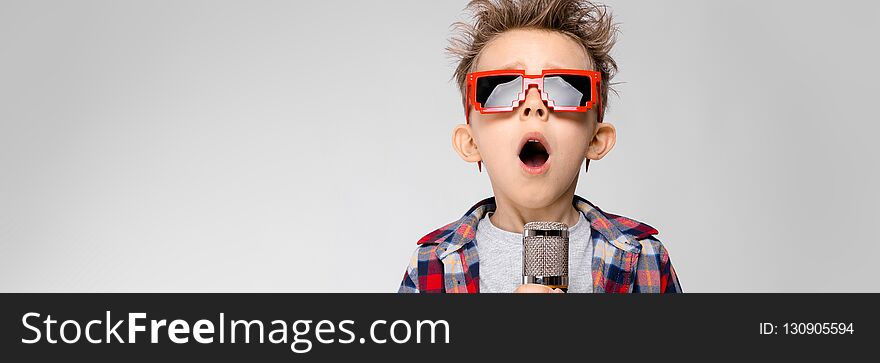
(511, 217)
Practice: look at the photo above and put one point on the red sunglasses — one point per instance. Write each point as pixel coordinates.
(564, 90)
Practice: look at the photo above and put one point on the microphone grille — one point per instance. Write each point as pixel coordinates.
(545, 249)
(545, 226)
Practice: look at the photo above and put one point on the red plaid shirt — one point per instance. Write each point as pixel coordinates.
(627, 257)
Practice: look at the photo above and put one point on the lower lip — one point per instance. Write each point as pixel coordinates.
(536, 170)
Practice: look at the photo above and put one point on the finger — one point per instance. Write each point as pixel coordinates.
(533, 289)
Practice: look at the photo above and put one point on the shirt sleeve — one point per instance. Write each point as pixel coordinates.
(654, 272)
(410, 276)
(668, 278)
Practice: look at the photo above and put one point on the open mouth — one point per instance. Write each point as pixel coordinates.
(534, 153)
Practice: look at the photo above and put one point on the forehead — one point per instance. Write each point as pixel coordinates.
(532, 50)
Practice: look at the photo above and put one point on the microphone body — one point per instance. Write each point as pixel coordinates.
(545, 254)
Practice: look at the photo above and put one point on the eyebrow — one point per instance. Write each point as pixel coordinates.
(520, 65)
(514, 65)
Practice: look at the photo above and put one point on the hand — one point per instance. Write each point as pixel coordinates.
(536, 289)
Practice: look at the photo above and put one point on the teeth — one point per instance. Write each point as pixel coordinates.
(533, 140)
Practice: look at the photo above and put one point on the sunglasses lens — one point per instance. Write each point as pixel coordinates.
(498, 91)
(568, 90)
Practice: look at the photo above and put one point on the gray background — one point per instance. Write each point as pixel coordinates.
(282, 146)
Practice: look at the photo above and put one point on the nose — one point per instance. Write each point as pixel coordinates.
(533, 105)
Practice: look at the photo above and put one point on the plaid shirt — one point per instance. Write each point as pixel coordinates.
(627, 257)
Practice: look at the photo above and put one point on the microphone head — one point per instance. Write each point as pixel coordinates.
(545, 253)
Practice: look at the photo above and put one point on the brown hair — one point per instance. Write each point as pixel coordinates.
(587, 23)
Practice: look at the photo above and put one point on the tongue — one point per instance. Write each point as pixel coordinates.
(533, 155)
(535, 159)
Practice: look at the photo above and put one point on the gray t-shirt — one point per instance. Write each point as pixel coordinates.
(500, 254)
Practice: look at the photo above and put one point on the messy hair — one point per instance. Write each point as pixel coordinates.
(589, 24)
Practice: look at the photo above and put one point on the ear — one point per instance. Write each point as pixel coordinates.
(603, 141)
(464, 143)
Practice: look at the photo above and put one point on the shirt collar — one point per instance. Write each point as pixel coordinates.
(621, 232)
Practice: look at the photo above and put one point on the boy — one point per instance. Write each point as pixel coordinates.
(534, 78)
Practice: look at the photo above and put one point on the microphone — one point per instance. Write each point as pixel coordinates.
(545, 254)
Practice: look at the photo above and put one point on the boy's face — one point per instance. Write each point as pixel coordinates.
(530, 175)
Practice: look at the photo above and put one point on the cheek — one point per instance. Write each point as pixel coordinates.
(494, 138)
(574, 139)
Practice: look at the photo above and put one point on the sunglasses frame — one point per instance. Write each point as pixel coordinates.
(527, 81)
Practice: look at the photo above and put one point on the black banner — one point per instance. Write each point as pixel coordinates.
(451, 328)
